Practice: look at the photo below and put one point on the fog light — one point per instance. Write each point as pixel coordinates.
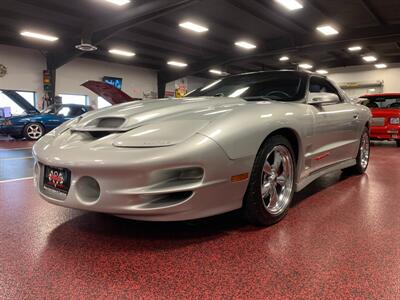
(394, 121)
(88, 189)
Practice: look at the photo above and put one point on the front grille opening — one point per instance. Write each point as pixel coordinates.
(157, 201)
(181, 176)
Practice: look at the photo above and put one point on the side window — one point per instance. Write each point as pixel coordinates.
(321, 85)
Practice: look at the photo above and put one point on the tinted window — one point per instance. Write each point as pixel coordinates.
(383, 102)
(281, 86)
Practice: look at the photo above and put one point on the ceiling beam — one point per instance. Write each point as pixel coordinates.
(270, 18)
(367, 5)
(101, 30)
(303, 45)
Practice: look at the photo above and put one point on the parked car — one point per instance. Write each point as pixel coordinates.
(33, 124)
(246, 141)
(385, 110)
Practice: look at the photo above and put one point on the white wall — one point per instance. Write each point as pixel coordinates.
(25, 72)
(135, 80)
(25, 69)
(367, 73)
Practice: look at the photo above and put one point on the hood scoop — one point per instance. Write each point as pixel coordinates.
(106, 124)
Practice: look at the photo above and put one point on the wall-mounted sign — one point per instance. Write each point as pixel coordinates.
(3, 70)
(114, 81)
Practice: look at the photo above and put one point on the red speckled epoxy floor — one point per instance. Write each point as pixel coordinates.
(340, 240)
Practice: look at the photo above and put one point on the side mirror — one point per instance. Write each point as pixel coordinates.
(323, 98)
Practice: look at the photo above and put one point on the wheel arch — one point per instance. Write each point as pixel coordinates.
(292, 136)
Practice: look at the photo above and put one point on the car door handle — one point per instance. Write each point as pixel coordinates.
(356, 116)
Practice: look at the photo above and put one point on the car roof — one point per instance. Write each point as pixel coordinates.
(299, 72)
(75, 105)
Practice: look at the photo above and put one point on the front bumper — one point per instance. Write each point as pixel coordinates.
(387, 132)
(144, 183)
(11, 130)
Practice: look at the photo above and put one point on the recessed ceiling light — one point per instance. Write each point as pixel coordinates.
(214, 71)
(380, 66)
(322, 72)
(354, 48)
(327, 30)
(369, 58)
(290, 4)
(39, 36)
(177, 64)
(284, 58)
(122, 52)
(194, 27)
(245, 45)
(119, 2)
(305, 66)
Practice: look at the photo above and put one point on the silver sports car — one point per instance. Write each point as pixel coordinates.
(247, 141)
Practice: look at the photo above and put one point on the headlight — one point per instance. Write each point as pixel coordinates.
(395, 121)
(6, 123)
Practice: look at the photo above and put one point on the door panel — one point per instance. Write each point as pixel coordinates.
(336, 126)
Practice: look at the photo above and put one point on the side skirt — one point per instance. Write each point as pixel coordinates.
(313, 176)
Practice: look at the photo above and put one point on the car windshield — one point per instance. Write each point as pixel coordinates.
(383, 102)
(280, 86)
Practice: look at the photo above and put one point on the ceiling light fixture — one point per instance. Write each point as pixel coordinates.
(119, 2)
(381, 66)
(177, 64)
(290, 4)
(305, 66)
(217, 72)
(284, 58)
(122, 52)
(354, 48)
(194, 27)
(322, 72)
(39, 36)
(370, 58)
(327, 30)
(245, 45)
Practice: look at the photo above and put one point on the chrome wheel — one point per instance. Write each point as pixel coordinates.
(364, 150)
(277, 180)
(34, 131)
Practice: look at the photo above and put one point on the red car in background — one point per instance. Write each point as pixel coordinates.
(385, 110)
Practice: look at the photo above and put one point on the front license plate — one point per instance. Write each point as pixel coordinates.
(57, 179)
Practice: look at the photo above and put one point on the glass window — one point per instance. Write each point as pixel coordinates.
(383, 102)
(64, 111)
(7, 102)
(101, 102)
(280, 86)
(74, 99)
(28, 96)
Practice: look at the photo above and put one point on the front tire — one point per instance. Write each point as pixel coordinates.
(33, 131)
(271, 186)
(363, 154)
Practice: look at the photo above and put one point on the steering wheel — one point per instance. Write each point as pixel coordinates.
(286, 95)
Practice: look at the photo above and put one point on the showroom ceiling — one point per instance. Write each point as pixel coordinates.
(151, 30)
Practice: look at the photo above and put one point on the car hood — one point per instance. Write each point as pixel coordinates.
(385, 112)
(107, 92)
(20, 101)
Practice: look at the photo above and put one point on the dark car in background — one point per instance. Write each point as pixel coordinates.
(33, 124)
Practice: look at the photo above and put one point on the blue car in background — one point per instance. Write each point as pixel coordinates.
(33, 124)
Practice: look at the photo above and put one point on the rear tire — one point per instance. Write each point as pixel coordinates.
(363, 155)
(33, 131)
(271, 186)
(398, 143)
